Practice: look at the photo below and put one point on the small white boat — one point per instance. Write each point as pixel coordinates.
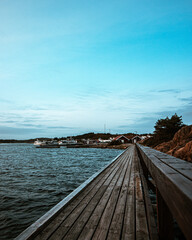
(63, 143)
(37, 142)
(46, 144)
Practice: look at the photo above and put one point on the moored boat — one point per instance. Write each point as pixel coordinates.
(46, 144)
(63, 143)
(67, 142)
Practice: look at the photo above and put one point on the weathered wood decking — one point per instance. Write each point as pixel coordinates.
(115, 203)
(111, 206)
(173, 182)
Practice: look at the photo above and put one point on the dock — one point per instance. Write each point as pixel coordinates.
(115, 203)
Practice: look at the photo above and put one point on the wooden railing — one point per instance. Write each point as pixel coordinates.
(172, 179)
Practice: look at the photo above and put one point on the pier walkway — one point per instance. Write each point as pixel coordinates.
(115, 203)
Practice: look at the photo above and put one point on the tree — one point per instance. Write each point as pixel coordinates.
(166, 128)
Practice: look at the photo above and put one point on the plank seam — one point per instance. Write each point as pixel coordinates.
(128, 167)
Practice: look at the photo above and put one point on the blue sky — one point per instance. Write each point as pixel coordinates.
(69, 67)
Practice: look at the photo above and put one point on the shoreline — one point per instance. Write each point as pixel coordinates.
(104, 146)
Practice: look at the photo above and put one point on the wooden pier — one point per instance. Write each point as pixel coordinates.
(115, 203)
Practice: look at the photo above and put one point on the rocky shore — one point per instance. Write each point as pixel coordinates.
(180, 146)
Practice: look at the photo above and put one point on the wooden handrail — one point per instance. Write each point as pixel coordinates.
(173, 180)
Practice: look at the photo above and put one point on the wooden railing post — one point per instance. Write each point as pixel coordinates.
(164, 218)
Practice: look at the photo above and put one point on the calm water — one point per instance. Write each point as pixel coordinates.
(33, 180)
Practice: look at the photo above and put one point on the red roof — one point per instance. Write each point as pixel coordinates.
(118, 137)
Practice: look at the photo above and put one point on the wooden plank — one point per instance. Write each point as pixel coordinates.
(149, 208)
(71, 228)
(104, 223)
(174, 188)
(91, 225)
(91, 189)
(128, 228)
(115, 229)
(101, 211)
(181, 167)
(141, 217)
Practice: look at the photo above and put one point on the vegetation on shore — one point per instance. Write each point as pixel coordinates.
(171, 136)
(165, 130)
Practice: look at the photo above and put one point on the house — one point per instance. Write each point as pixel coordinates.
(121, 139)
(91, 142)
(136, 139)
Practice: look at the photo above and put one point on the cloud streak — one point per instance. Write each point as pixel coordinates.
(124, 111)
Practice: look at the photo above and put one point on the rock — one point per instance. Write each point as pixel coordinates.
(185, 152)
(163, 147)
(181, 144)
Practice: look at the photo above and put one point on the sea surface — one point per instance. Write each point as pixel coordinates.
(33, 180)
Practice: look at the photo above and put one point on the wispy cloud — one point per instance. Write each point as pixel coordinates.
(9, 131)
(186, 99)
(27, 125)
(168, 91)
(61, 127)
(2, 100)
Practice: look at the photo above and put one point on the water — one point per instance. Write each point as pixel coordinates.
(33, 180)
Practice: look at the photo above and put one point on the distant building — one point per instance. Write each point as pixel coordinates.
(91, 141)
(105, 141)
(136, 139)
(121, 139)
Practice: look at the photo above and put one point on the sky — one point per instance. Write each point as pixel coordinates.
(69, 67)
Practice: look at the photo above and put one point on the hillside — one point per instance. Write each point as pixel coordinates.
(94, 136)
(181, 144)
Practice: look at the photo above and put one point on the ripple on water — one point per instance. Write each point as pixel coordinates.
(33, 180)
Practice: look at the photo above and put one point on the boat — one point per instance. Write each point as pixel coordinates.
(37, 142)
(46, 144)
(67, 142)
(63, 143)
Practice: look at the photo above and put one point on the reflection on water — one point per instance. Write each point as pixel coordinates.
(33, 180)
